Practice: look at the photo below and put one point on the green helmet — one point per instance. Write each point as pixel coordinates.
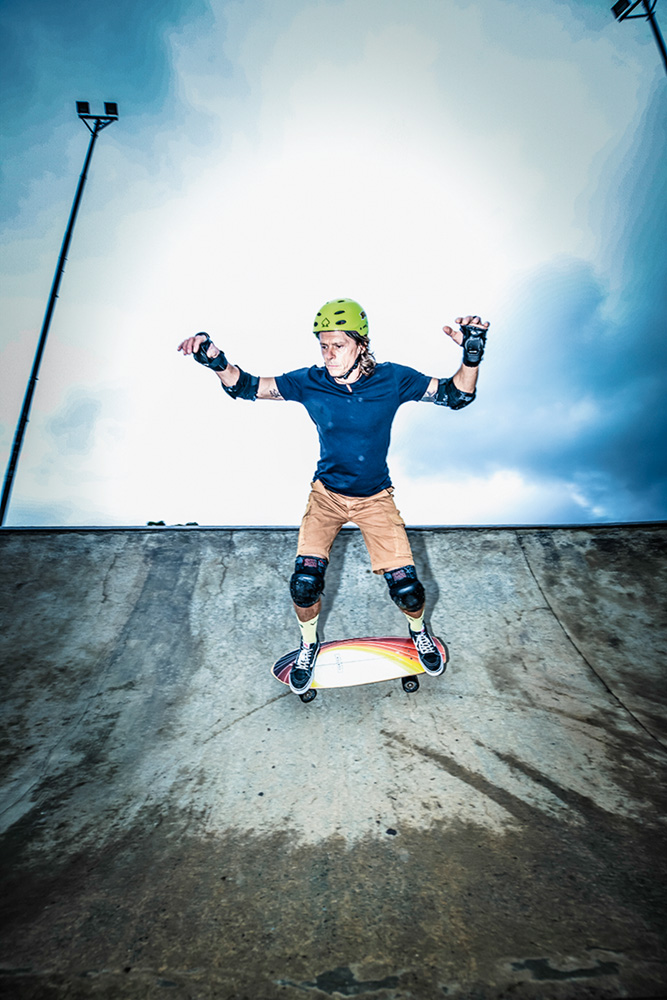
(341, 314)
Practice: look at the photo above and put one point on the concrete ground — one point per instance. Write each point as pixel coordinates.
(176, 824)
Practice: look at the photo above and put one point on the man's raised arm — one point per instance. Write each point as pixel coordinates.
(236, 383)
(460, 390)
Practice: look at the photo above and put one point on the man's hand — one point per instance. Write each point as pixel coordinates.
(457, 335)
(229, 374)
(203, 350)
(192, 345)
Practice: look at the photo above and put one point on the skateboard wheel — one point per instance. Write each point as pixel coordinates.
(410, 684)
(309, 695)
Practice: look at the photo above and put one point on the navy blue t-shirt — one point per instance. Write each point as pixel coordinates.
(354, 426)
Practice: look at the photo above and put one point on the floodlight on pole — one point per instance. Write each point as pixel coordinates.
(623, 10)
(94, 124)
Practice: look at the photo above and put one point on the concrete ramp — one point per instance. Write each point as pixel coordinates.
(176, 824)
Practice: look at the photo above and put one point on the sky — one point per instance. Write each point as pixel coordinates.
(428, 159)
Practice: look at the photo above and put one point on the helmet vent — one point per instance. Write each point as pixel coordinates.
(346, 314)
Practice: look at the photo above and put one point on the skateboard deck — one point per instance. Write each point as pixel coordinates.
(348, 662)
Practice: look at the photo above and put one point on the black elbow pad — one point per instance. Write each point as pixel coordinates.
(449, 395)
(244, 388)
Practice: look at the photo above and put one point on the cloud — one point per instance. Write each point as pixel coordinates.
(575, 377)
(53, 53)
(419, 157)
(503, 497)
(74, 426)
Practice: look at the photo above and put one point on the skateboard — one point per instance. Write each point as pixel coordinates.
(348, 662)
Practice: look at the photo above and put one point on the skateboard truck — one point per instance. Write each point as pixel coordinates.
(409, 684)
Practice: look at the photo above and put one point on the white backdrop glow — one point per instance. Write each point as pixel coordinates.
(428, 159)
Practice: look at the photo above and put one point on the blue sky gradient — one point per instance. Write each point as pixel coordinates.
(427, 159)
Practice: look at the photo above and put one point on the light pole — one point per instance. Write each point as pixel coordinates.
(94, 124)
(623, 11)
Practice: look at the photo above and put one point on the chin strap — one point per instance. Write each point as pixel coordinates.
(354, 366)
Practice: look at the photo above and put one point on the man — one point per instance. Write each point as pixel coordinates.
(352, 400)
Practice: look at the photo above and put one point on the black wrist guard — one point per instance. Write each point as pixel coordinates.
(245, 388)
(216, 364)
(474, 340)
(449, 395)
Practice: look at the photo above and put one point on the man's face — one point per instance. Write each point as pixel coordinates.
(339, 352)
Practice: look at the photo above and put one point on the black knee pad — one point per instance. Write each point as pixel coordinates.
(307, 582)
(405, 589)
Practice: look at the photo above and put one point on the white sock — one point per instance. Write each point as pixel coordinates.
(309, 630)
(416, 624)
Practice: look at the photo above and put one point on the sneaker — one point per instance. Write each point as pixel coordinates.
(301, 674)
(429, 654)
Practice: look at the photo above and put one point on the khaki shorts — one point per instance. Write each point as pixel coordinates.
(380, 523)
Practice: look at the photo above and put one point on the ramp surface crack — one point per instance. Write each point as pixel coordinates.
(246, 715)
(612, 694)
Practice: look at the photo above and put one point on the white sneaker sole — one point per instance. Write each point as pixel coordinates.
(301, 690)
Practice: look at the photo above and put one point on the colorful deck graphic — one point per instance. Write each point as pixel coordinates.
(359, 661)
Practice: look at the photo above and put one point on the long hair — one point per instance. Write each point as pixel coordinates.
(367, 360)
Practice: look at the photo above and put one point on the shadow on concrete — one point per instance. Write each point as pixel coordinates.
(172, 821)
